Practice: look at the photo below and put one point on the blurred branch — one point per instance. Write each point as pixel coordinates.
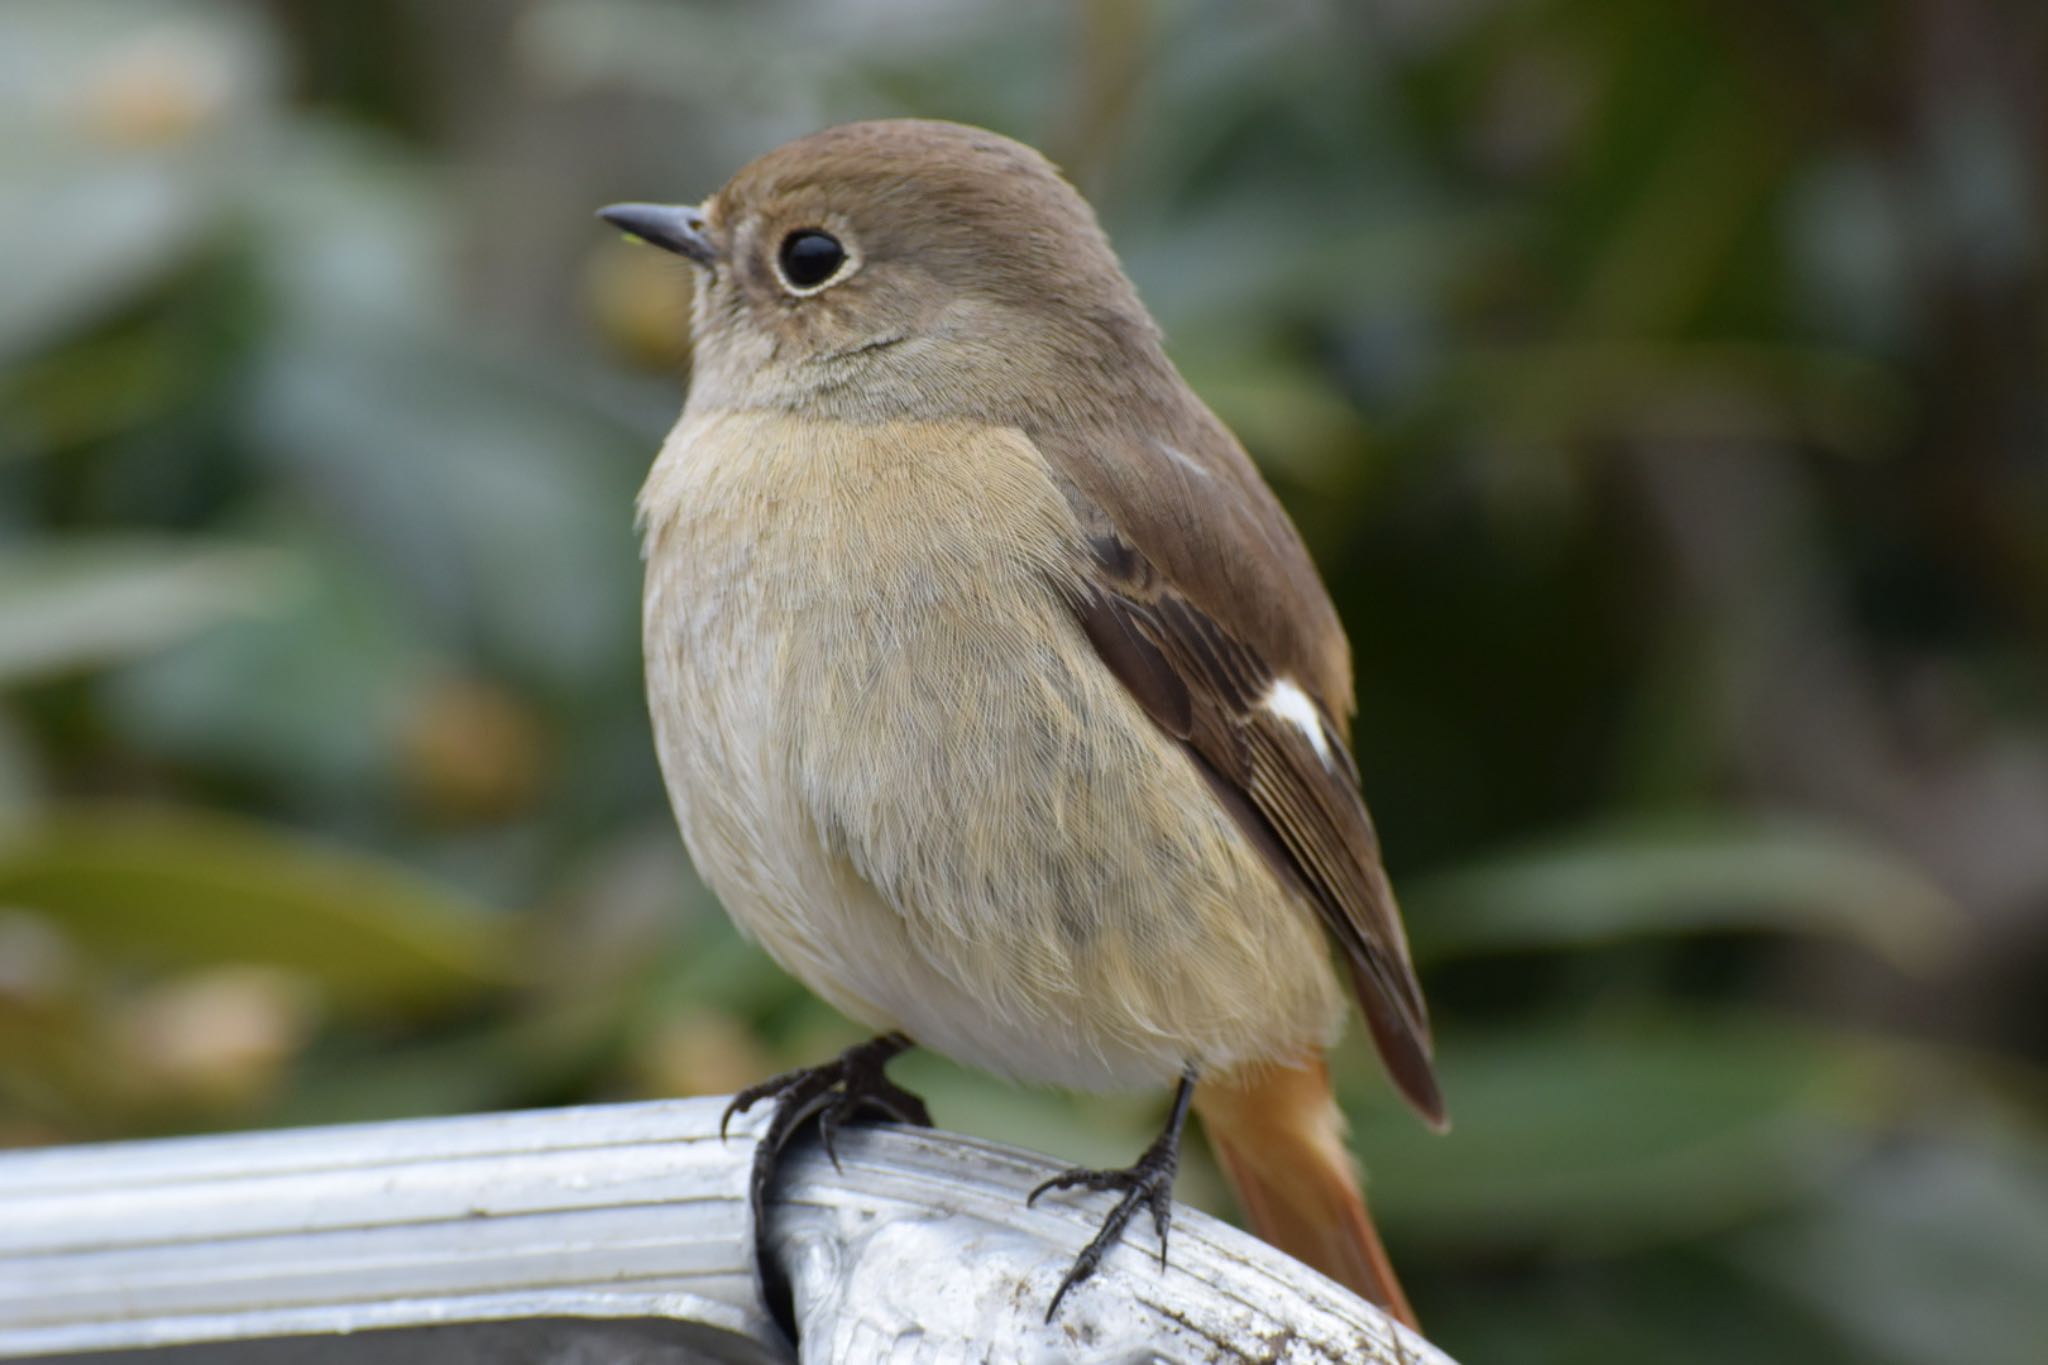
(1109, 40)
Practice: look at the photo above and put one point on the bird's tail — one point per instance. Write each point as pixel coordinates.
(1280, 1137)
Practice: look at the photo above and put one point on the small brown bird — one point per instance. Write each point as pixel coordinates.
(995, 694)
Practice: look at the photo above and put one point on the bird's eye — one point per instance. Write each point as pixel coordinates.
(809, 258)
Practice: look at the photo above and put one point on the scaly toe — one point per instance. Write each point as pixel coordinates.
(1075, 1178)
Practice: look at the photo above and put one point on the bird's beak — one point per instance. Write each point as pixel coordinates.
(670, 227)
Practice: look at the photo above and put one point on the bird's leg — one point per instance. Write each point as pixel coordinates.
(835, 1092)
(1147, 1181)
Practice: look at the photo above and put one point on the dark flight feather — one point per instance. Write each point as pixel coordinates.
(1200, 602)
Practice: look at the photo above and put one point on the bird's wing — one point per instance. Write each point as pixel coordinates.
(1202, 599)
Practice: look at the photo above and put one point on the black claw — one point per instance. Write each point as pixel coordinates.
(754, 1094)
(1162, 1217)
(828, 1132)
(1148, 1181)
(836, 1093)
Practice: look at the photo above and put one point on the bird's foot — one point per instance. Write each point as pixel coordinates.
(1147, 1183)
(842, 1089)
(853, 1083)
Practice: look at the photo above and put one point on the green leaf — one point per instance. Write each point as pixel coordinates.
(306, 699)
(172, 889)
(77, 603)
(81, 242)
(1596, 1141)
(1936, 1251)
(1637, 880)
(1675, 1306)
(456, 472)
(118, 130)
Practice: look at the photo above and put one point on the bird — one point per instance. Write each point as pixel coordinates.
(996, 696)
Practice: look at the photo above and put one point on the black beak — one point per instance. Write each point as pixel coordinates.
(676, 229)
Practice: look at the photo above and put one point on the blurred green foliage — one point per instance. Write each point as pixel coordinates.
(1661, 387)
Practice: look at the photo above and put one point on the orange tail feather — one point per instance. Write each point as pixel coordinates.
(1280, 1137)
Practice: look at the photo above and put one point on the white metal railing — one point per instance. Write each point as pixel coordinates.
(616, 1233)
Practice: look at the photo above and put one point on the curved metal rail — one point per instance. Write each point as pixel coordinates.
(617, 1233)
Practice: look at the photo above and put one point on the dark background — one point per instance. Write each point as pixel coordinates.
(1659, 383)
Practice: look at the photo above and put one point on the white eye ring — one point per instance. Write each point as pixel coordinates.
(813, 259)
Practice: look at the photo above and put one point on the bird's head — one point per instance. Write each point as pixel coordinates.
(901, 268)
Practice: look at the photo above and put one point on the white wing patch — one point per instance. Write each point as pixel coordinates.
(1286, 701)
(1183, 459)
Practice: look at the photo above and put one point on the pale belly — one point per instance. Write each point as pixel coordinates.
(900, 765)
